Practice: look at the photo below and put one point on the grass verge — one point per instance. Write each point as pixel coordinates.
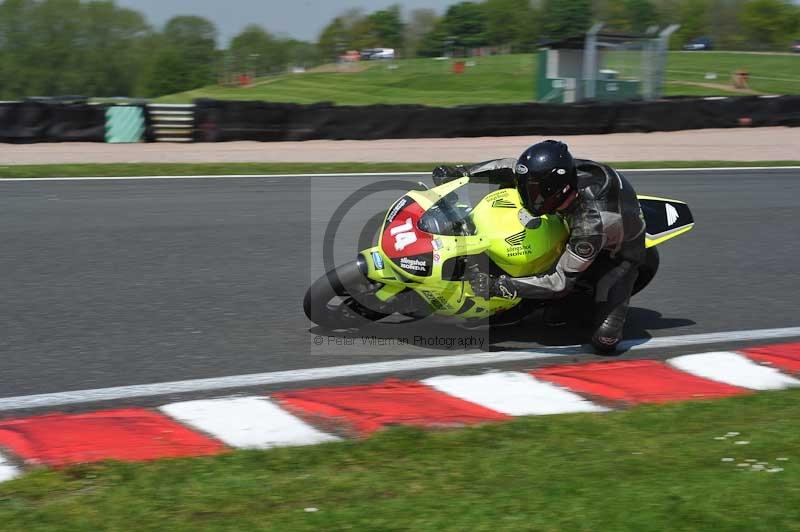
(649, 468)
(126, 170)
(501, 79)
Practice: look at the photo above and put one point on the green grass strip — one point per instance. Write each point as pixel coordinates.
(651, 468)
(501, 79)
(126, 170)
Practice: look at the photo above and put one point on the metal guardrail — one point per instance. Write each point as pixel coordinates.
(172, 122)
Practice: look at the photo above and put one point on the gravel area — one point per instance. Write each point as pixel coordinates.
(743, 144)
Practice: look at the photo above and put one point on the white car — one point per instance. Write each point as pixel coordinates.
(701, 43)
(382, 53)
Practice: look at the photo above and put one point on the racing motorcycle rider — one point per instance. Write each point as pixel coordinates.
(604, 219)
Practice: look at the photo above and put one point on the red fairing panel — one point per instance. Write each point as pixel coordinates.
(403, 242)
(401, 237)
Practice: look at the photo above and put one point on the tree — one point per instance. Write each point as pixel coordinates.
(95, 48)
(352, 30)
(641, 15)
(510, 22)
(194, 39)
(167, 74)
(111, 49)
(435, 42)
(185, 56)
(361, 32)
(694, 16)
(566, 18)
(16, 47)
(56, 70)
(612, 13)
(633, 16)
(770, 23)
(254, 50)
(387, 27)
(334, 40)
(726, 28)
(301, 53)
(56, 47)
(466, 24)
(534, 33)
(421, 23)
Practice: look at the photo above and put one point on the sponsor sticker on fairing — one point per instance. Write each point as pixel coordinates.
(503, 203)
(377, 260)
(516, 239)
(402, 202)
(415, 265)
(517, 245)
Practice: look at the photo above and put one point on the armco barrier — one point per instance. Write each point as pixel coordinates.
(217, 120)
(40, 121)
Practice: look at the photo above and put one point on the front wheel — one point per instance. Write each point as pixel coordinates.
(342, 299)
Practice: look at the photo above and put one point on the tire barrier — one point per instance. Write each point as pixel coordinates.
(217, 120)
(170, 122)
(46, 121)
(124, 124)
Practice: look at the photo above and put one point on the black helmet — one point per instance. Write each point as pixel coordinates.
(546, 177)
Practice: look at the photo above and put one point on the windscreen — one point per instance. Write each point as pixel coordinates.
(450, 216)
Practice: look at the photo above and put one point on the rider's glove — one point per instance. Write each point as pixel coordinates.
(445, 174)
(486, 286)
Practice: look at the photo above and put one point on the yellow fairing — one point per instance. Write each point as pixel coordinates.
(519, 250)
(652, 242)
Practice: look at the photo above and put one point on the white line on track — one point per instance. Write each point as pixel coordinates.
(373, 368)
(361, 174)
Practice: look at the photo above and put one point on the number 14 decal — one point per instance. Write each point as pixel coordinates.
(404, 235)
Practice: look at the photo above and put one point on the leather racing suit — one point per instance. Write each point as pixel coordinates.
(607, 240)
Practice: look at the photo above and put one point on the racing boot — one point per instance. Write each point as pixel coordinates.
(613, 298)
(609, 333)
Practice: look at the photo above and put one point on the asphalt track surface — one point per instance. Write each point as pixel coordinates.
(122, 282)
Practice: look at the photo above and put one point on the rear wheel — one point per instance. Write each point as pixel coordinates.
(647, 271)
(342, 299)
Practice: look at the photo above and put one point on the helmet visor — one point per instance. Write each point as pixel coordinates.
(539, 200)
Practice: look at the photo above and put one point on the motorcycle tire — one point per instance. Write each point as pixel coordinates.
(347, 284)
(647, 271)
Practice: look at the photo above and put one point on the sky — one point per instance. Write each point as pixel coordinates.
(301, 19)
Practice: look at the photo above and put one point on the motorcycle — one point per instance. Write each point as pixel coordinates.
(432, 241)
